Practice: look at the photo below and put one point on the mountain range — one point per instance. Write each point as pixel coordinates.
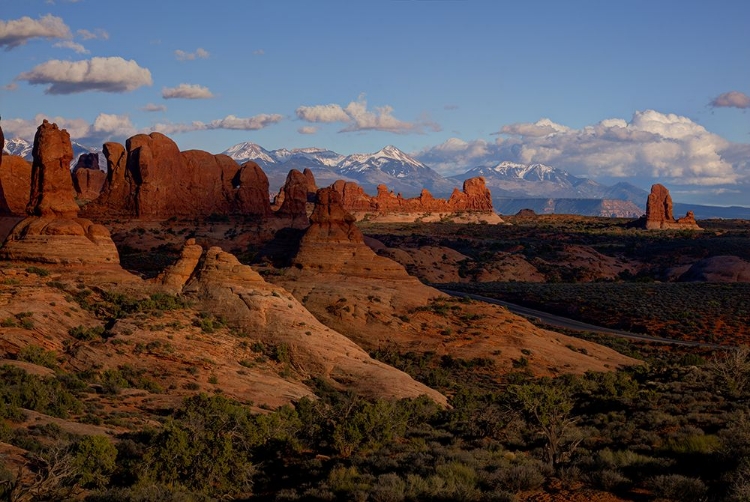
(536, 186)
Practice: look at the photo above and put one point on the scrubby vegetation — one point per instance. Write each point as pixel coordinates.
(667, 429)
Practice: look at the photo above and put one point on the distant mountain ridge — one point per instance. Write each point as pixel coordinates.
(22, 148)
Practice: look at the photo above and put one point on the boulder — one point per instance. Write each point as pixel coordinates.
(177, 275)
(15, 184)
(51, 183)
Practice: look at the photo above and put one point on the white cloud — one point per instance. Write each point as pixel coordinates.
(17, 32)
(231, 122)
(69, 44)
(108, 74)
(731, 99)
(97, 34)
(186, 91)
(151, 107)
(259, 52)
(307, 130)
(359, 118)
(322, 113)
(190, 56)
(105, 127)
(656, 146)
(11, 87)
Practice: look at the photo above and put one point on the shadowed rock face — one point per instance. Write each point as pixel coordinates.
(2, 145)
(51, 184)
(15, 182)
(292, 199)
(88, 179)
(55, 234)
(659, 214)
(474, 198)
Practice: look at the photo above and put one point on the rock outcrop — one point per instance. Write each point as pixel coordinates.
(226, 287)
(291, 202)
(334, 244)
(718, 269)
(88, 179)
(51, 184)
(15, 183)
(659, 215)
(151, 179)
(473, 203)
(54, 233)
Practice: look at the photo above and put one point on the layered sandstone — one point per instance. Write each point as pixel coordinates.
(151, 178)
(473, 203)
(88, 179)
(659, 215)
(225, 287)
(55, 234)
(15, 183)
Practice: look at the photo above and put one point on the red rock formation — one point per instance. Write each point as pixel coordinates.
(251, 191)
(151, 178)
(293, 195)
(312, 187)
(15, 183)
(659, 215)
(475, 198)
(51, 184)
(2, 145)
(334, 244)
(88, 179)
(55, 234)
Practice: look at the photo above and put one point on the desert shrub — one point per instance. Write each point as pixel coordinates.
(19, 389)
(388, 488)
(38, 355)
(41, 272)
(94, 458)
(678, 487)
(86, 334)
(519, 478)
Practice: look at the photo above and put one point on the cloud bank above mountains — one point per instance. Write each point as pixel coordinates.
(651, 145)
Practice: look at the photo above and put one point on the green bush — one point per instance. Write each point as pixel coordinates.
(38, 355)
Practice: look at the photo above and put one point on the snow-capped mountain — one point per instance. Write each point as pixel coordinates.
(510, 179)
(23, 148)
(18, 146)
(389, 166)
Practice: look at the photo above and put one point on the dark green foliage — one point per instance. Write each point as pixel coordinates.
(41, 272)
(19, 389)
(86, 334)
(38, 355)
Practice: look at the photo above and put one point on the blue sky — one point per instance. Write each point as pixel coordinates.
(638, 91)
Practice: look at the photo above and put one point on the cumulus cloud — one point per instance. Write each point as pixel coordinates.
(69, 44)
(151, 107)
(104, 74)
(322, 113)
(105, 127)
(190, 56)
(186, 91)
(97, 34)
(731, 99)
(231, 122)
(17, 32)
(651, 145)
(307, 130)
(359, 118)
